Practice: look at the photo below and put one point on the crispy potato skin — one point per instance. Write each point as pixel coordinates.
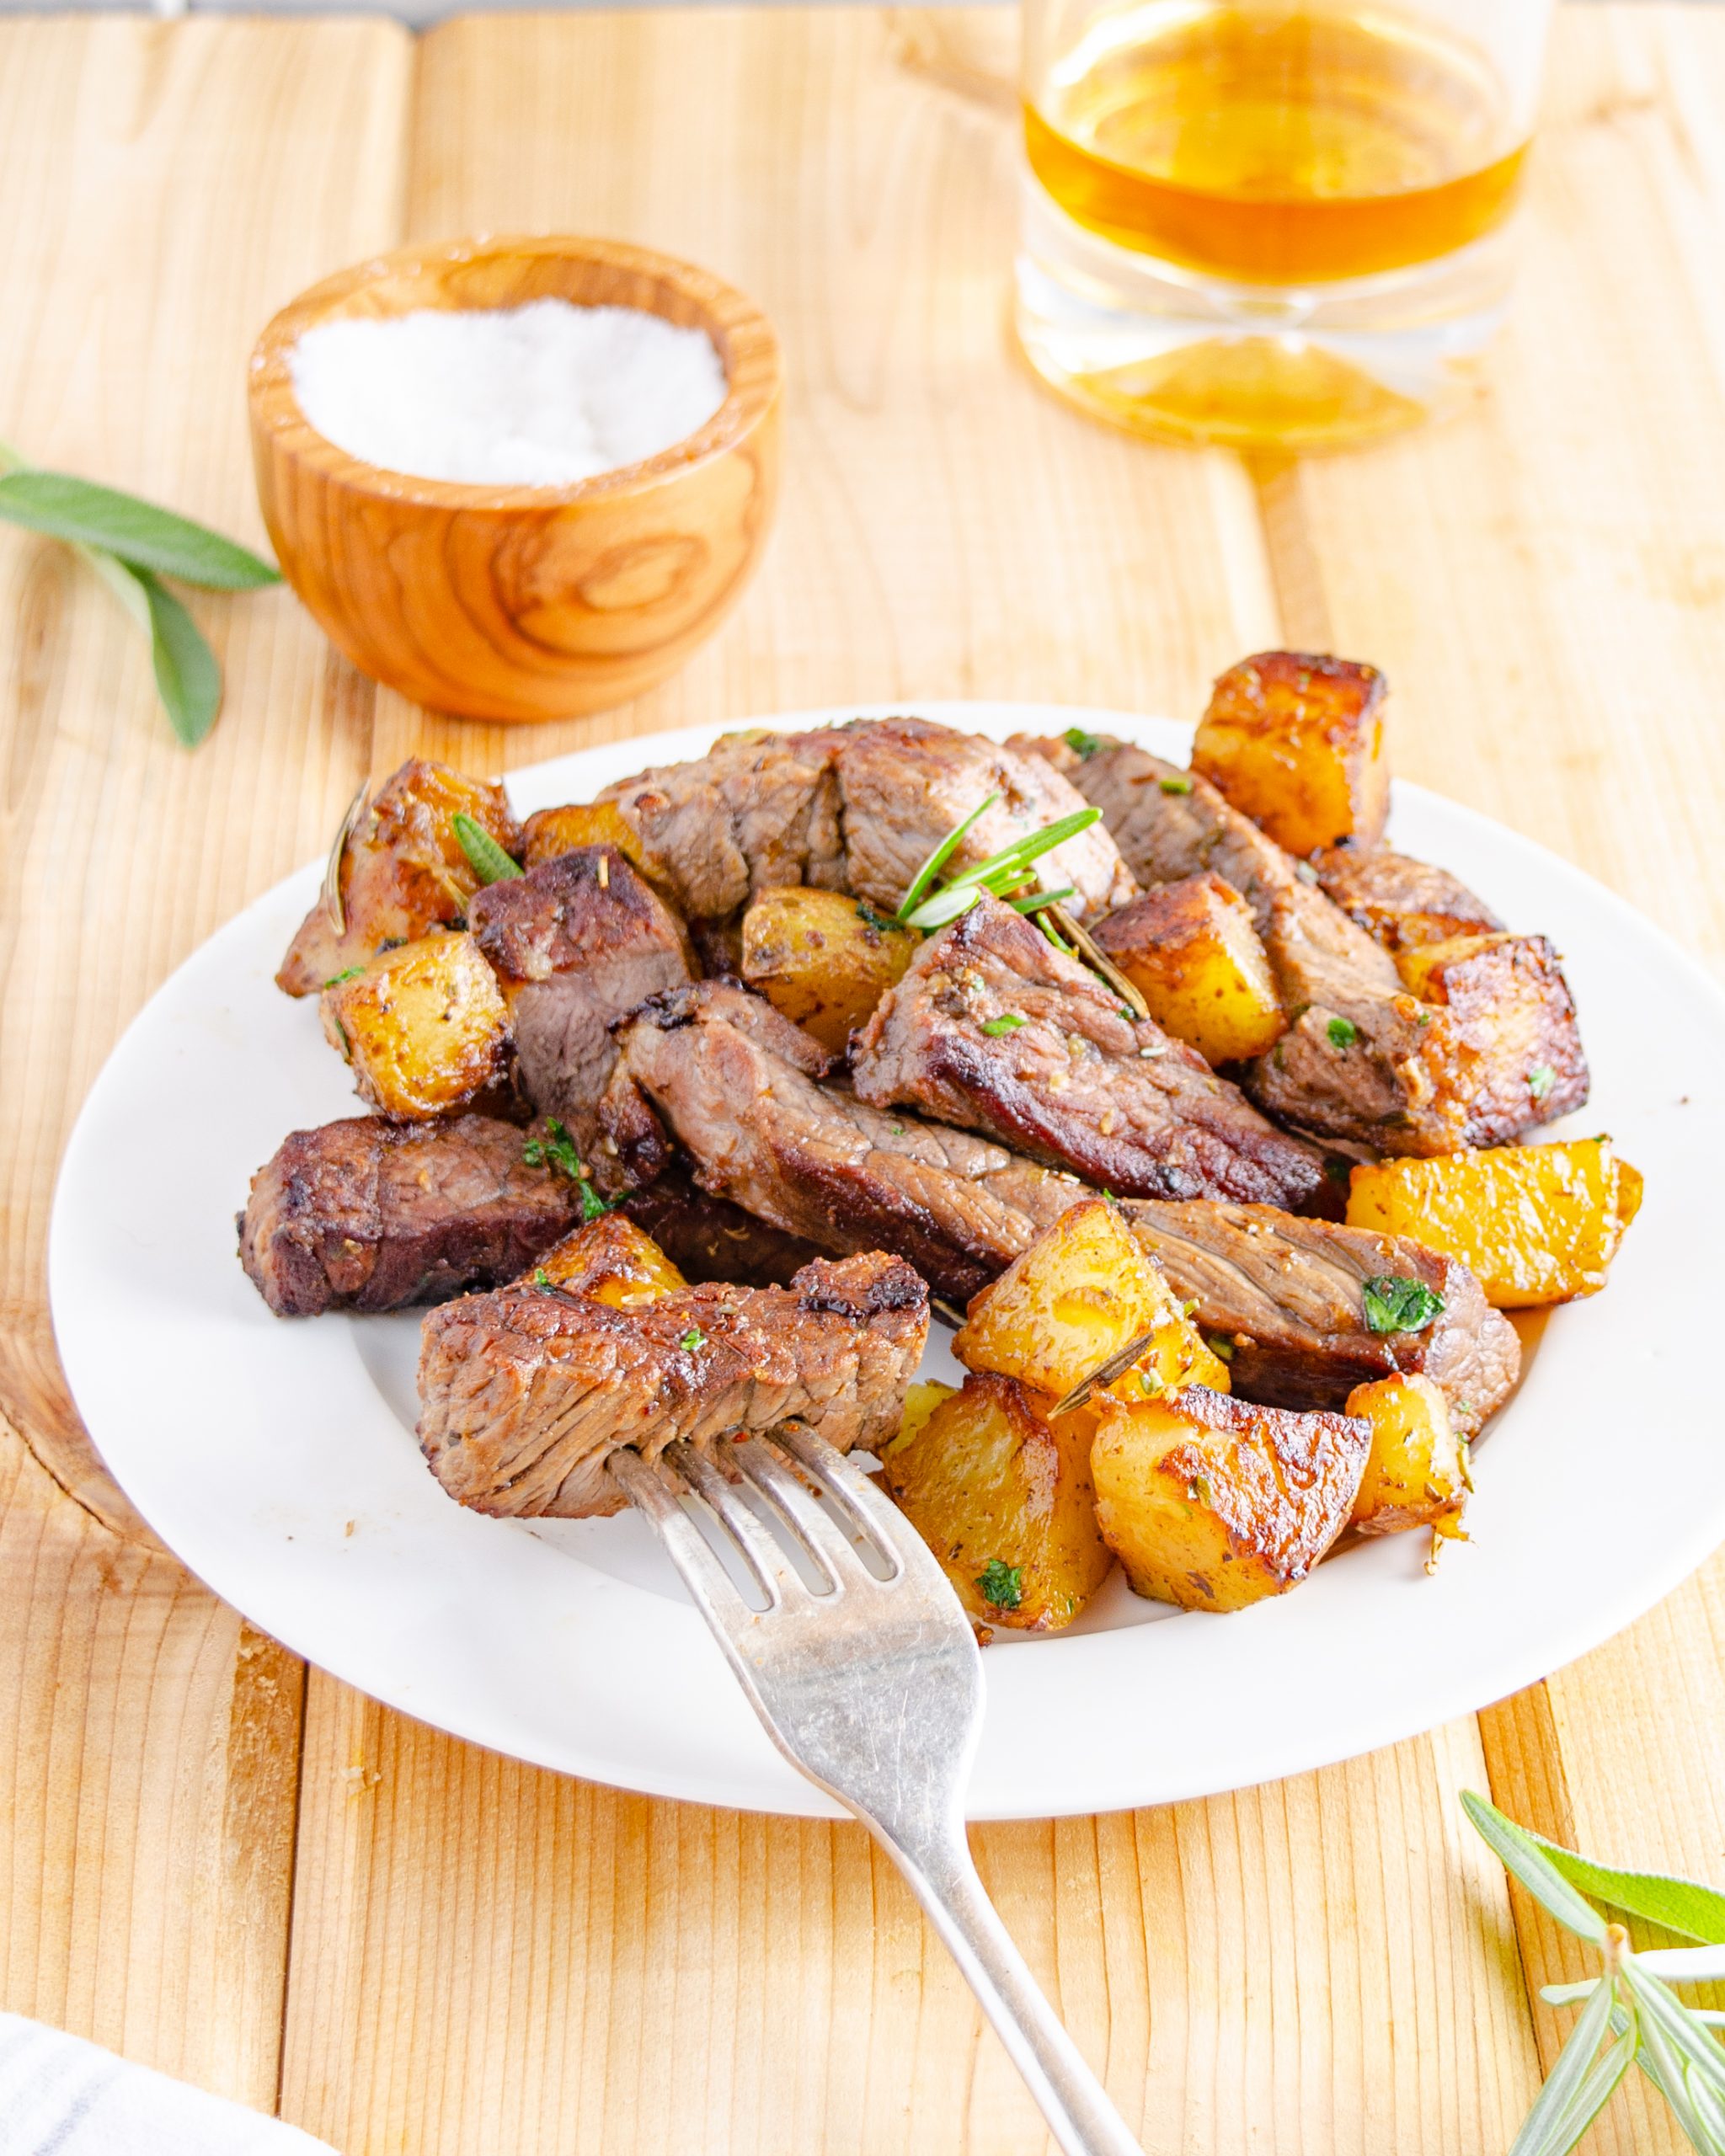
(1193, 954)
(424, 1027)
(403, 872)
(1416, 1475)
(1508, 1007)
(822, 960)
(551, 831)
(986, 1480)
(1085, 1289)
(1536, 1224)
(1296, 741)
(609, 1260)
(1212, 1503)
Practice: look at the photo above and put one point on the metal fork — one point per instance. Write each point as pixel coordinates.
(874, 1688)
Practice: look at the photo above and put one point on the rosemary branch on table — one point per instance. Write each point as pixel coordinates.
(1630, 2016)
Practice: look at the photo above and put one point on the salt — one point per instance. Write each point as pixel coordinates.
(534, 396)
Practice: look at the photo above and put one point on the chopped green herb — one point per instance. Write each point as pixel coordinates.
(692, 1339)
(925, 875)
(486, 857)
(541, 1278)
(1188, 1307)
(1220, 1346)
(556, 1151)
(1039, 899)
(1181, 785)
(1198, 1491)
(870, 919)
(1342, 1033)
(1081, 743)
(593, 1206)
(347, 972)
(1541, 1080)
(1337, 1167)
(1395, 1304)
(1007, 1022)
(1001, 1586)
(999, 875)
(896, 1128)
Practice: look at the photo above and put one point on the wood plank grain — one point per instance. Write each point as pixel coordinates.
(167, 187)
(484, 1956)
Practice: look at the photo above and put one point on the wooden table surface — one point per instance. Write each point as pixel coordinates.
(231, 1866)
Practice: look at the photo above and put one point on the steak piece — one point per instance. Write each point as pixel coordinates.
(738, 1087)
(706, 1238)
(994, 1028)
(1288, 1293)
(367, 1215)
(578, 942)
(524, 1393)
(1401, 903)
(856, 808)
(1362, 1058)
(740, 1090)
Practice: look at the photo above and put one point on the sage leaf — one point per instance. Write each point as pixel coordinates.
(143, 536)
(187, 680)
(1520, 1852)
(1674, 1903)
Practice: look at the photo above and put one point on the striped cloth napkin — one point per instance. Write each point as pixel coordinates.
(59, 2096)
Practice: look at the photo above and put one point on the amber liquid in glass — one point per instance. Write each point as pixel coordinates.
(1276, 144)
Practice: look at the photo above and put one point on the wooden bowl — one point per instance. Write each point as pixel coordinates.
(523, 602)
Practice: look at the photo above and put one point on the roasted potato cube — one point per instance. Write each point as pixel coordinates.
(608, 1259)
(1536, 1224)
(424, 1027)
(549, 832)
(1212, 1502)
(1513, 1022)
(1084, 1290)
(1416, 1474)
(1399, 902)
(823, 959)
(402, 872)
(920, 1400)
(1191, 951)
(1003, 1498)
(1296, 742)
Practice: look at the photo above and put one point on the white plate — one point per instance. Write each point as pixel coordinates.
(278, 1458)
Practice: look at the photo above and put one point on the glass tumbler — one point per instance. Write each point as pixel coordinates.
(1272, 223)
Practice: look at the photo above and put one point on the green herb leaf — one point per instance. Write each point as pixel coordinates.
(541, 1278)
(1007, 1022)
(938, 859)
(1577, 2089)
(593, 1206)
(1541, 1080)
(142, 535)
(486, 857)
(870, 919)
(1181, 785)
(692, 1339)
(999, 873)
(557, 1150)
(187, 680)
(1220, 1346)
(1081, 743)
(1674, 1903)
(347, 972)
(1393, 1304)
(1039, 899)
(1342, 1033)
(1520, 1852)
(945, 906)
(1001, 1585)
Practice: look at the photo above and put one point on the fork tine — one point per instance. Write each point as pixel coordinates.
(802, 1513)
(855, 1494)
(760, 1552)
(642, 1483)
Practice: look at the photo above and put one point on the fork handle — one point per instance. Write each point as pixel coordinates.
(941, 1875)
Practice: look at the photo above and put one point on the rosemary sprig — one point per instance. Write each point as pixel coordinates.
(485, 856)
(1629, 2001)
(1000, 875)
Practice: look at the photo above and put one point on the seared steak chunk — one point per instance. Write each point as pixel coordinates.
(1288, 1294)
(1362, 1058)
(1398, 902)
(524, 1393)
(738, 1086)
(994, 1028)
(856, 808)
(577, 942)
(706, 1238)
(367, 1215)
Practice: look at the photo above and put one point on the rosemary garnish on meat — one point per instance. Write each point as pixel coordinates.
(557, 1151)
(485, 856)
(1001, 875)
(1630, 2016)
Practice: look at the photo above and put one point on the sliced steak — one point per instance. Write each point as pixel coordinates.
(578, 942)
(1361, 1058)
(856, 808)
(994, 1028)
(738, 1088)
(1288, 1293)
(367, 1215)
(706, 1238)
(1401, 903)
(524, 1393)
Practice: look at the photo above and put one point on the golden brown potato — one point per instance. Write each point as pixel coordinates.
(1085, 1289)
(1191, 951)
(1536, 1224)
(609, 1260)
(1003, 1498)
(1296, 742)
(1513, 1019)
(403, 872)
(1213, 1504)
(551, 831)
(822, 960)
(424, 1027)
(1416, 1474)
(1399, 902)
(920, 1400)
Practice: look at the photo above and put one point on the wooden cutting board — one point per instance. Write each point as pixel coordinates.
(239, 1870)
